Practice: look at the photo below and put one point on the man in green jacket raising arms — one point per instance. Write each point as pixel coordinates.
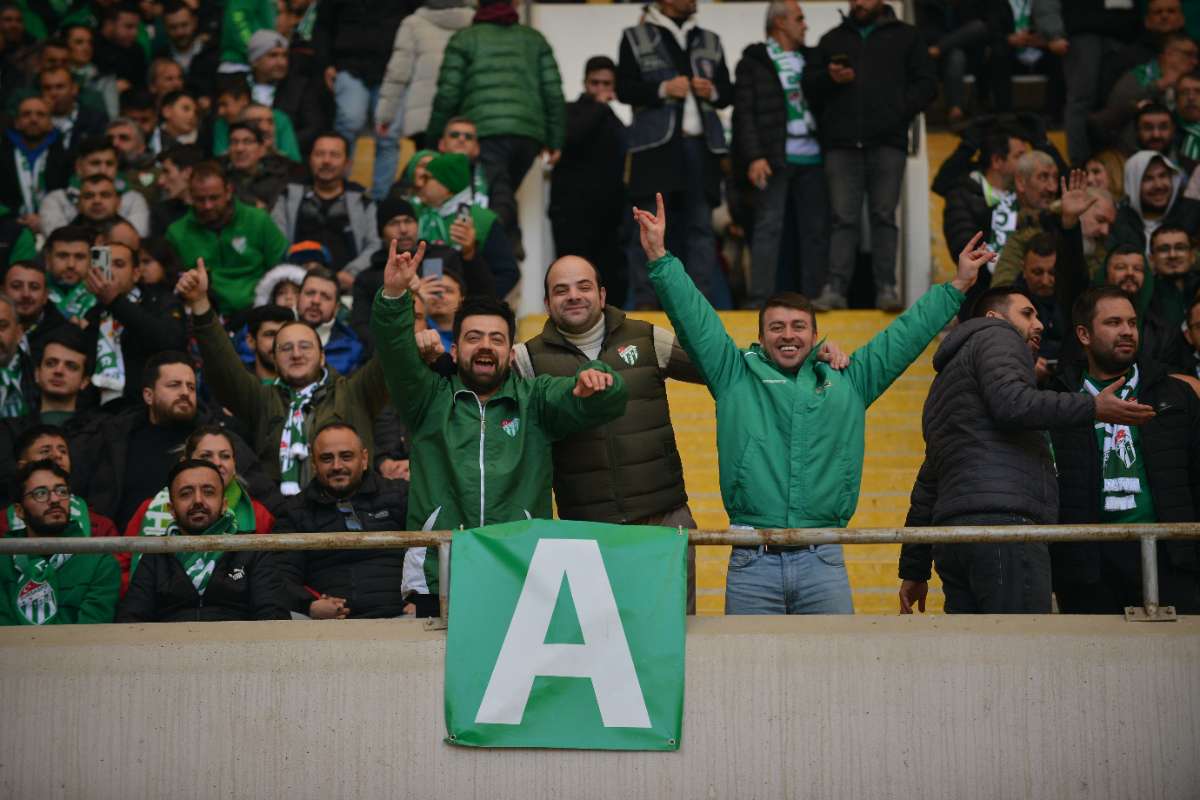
(790, 428)
(480, 441)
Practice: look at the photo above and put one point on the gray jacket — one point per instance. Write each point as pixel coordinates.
(363, 224)
(412, 71)
(985, 450)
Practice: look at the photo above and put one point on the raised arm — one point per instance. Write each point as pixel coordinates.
(697, 325)
(595, 396)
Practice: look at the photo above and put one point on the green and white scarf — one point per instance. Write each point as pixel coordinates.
(1190, 146)
(109, 373)
(31, 175)
(1122, 469)
(434, 223)
(12, 400)
(199, 566)
(71, 301)
(293, 444)
(479, 187)
(159, 519)
(36, 598)
(1147, 73)
(1004, 211)
(802, 147)
(80, 523)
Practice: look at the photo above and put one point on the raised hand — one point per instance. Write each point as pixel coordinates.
(401, 269)
(1075, 198)
(833, 355)
(970, 261)
(192, 288)
(1112, 409)
(592, 381)
(429, 345)
(654, 229)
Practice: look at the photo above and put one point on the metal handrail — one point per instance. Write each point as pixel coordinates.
(1148, 535)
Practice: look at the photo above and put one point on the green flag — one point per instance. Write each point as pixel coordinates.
(566, 634)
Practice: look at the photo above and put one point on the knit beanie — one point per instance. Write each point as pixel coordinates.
(452, 170)
(262, 42)
(389, 208)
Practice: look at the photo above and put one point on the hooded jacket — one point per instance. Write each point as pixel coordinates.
(791, 444)
(1131, 227)
(360, 210)
(412, 71)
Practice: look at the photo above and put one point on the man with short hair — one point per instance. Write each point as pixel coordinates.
(1148, 84)
(331, 210)
(1176, 280)
(187, 46)
(789, 428)
(461, 136)
(280, 417)
(345, 495)
(674, 74)
(16, 373)
(165, 77)
(62, 371)
(298, 95)
(180, 122)
(65, 447)
(238, 242)
(174, 186)
(33, 160)
(318, 307)
(117, 49)
(987, 461)
(587, 187)
(25, 284)
(133, 158)
(96, 156)
(55, 589)
(1122, 473)
(503, 75)
(207, 586)
(72, 119)
(128, 324)
(68, 258)
(1187, 117)
(262, 324)
(1036, 282)
(1154, 129)
(871, 61)
(447, 216)
(259, 176)
(775, 143)
(485, 407)
(140, 106)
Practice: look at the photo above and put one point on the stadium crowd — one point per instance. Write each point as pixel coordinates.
(207, 328)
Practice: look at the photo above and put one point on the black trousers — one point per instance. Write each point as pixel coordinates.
(1119, 583)
(1000, 578)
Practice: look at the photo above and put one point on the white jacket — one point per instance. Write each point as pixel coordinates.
(412, 71)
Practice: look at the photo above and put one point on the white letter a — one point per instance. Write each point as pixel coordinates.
(603, 657)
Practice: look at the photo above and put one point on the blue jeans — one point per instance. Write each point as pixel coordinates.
(355, 103)
(810, 580)
(878, 174)
(804, 186)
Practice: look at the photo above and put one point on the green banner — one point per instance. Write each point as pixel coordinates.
(566, 634)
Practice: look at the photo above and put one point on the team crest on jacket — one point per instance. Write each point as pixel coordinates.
(239, 244)
(628, 354)
(510, 426)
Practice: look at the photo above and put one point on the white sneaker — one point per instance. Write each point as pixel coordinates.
(829, 300)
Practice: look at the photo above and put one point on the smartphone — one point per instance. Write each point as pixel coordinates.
(432, 268)
(102, 260)
(464, 213)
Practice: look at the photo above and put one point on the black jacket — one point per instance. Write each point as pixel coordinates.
(894, 81)
(243, 586)
(1171, 448)
(309, 105)
(760, 109)
(984, 447)
(966, 214)
(587, 181)
(369, 580)
(1090, 16)
(57, 173)
(152, 325)
(357, 35)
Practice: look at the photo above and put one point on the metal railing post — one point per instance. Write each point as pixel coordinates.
(1150, 611)
(442, 621)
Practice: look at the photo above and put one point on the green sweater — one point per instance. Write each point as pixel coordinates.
(88, 586)
(790, 446)
(478, 464)
(505, 78)
(236, 256)
(242, 18)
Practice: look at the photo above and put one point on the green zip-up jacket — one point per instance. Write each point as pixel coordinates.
(236, 256)
(476, 464)
(790, 446)
(88, 586)
(242, 18)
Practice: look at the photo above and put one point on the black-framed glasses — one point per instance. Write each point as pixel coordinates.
(42, 493)
(350, 516)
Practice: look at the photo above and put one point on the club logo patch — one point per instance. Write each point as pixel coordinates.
(628, 354)
(239, 244)
(510, 426)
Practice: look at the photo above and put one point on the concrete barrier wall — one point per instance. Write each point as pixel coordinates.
(1040, 707)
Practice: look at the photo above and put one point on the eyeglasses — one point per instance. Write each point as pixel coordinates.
(349, 516)
(42, 493)
(470, 137)
(303, 347)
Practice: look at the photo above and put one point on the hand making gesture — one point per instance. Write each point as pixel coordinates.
(1075, 198)
(970, 261)
(401, 269)
(654, 229)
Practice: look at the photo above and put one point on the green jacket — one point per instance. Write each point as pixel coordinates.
(242, 18)
(236, 256)
(505, 78)
(356, 400)
(790, 446)
(88, 586)
(286, 143)
(477, 465)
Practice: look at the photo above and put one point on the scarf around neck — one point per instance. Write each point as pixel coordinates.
(1119, 466)
(199, 566)
(159, 519)
(293, 443)
(12, 399)
(36, 591)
